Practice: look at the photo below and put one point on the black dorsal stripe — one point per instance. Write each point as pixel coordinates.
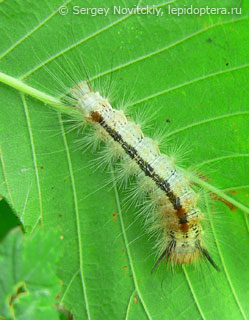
(143, 165)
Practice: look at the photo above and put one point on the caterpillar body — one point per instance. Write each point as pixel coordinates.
(175, 213)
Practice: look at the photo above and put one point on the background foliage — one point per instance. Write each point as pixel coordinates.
(192, 72)
(29, 284)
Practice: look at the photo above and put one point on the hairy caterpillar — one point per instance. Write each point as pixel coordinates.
(175, 203)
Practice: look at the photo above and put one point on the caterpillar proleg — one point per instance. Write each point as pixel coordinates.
(177, 215)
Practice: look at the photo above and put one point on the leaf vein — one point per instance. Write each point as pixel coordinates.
(201, 164)
(76, 44)
(224, 266)
(224, 116)
(163, 49)
(32, 143)
(6, 178)
(187, 83)
(193, 293)
(77, 216)
(26, 36)
(127, 248)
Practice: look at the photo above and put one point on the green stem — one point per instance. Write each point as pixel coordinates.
(218, 192)
(46, 98)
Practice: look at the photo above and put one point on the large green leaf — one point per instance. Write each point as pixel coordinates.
(192, 73)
